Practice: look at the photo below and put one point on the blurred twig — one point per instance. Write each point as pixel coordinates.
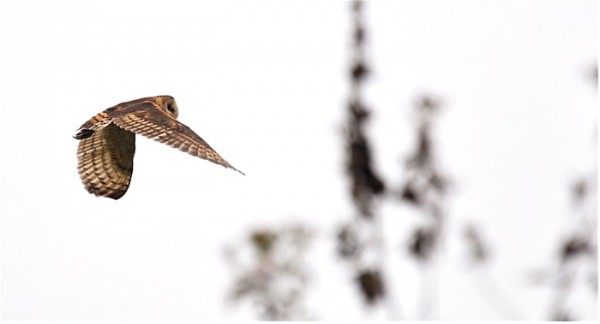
(576, 263)
(425, 187)
(365, 182)
(479, 255)
(360, 241)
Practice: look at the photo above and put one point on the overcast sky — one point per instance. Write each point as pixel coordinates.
(264, 83)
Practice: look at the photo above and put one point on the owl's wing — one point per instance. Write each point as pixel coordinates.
(157, 125)
(106, 161)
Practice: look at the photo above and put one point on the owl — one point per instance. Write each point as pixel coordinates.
(107, 142)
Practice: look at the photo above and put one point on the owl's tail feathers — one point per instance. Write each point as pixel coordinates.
(83, 133)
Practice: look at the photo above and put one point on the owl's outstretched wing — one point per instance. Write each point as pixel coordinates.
(157, 125)
(106, 161)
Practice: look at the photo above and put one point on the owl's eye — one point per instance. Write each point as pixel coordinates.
(171, 109)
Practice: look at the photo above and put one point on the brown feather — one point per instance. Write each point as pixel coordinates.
(106, 161)
(157, 125)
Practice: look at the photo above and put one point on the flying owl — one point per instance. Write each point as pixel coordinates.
(107, 142)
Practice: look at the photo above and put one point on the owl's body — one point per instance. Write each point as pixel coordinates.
(107, 142)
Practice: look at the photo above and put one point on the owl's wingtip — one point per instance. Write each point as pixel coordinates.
(229, 166)
(234, 169)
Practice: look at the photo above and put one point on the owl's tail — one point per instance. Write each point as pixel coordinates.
(83, 133)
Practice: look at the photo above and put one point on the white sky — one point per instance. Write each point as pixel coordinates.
(264, 82)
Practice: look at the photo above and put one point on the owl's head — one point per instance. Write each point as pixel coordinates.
(170, 107)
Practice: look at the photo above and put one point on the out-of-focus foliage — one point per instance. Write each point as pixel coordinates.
(479, 252)
(366, 183)
(425, 185)
(359, 240)
(371, 284)
(575, 267)
(271, 274)
(270, 271)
